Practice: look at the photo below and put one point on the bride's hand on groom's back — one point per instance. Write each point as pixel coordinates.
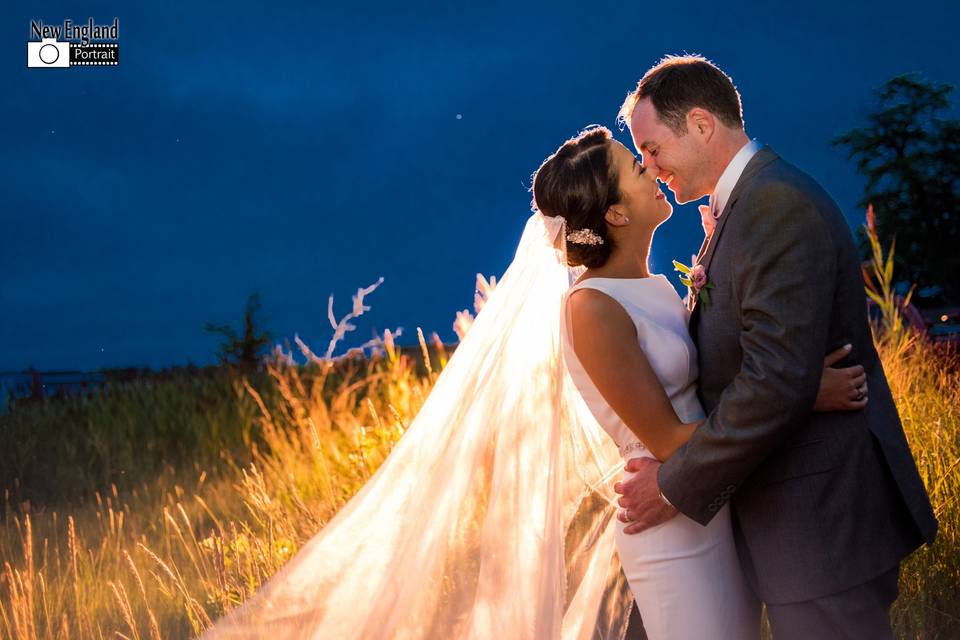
(841, 389)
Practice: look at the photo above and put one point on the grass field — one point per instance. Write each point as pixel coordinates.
(146, 511)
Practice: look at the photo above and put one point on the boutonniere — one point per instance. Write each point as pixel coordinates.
(694, 278)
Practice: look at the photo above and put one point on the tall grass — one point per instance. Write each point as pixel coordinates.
(54, 452)
(163, 558)
(926, 387)
(242, 471)
(925, 381)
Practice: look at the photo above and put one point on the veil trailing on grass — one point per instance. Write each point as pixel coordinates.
(493, 516)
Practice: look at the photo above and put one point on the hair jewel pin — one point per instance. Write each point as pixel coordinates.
(584, 236)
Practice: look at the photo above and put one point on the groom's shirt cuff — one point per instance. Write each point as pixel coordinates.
(664, 498)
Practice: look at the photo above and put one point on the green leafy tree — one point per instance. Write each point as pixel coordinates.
(242, 352)
(910, 155)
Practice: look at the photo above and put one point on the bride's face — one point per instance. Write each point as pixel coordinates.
(640, 193)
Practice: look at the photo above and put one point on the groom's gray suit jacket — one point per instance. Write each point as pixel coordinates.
(821, 502)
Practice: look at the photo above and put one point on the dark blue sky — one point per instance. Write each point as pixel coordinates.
(306, 149)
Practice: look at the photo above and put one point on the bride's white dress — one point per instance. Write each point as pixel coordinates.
(492, 517)
(686, 578)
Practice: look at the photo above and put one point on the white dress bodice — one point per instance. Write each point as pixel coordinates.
(661, 320)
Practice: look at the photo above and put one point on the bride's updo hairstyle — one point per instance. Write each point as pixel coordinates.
(579, 183)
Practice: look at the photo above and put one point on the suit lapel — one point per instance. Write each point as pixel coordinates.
(690, 300)
(715, 237)
(703, 247)
(763, 157)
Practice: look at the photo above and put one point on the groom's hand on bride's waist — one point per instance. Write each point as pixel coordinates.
(642, 505)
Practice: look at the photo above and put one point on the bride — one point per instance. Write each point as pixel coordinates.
(494, 516)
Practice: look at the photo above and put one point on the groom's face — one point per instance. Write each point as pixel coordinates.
(677, 159)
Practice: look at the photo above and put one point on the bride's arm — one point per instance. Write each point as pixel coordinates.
(605, 341)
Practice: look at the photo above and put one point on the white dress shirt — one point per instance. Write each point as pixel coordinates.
(730, 176)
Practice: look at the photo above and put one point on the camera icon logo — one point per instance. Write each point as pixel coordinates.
(48, 53)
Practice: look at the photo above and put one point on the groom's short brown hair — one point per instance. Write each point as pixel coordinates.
(679, 83)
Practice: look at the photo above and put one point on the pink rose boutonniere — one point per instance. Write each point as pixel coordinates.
(694, 278)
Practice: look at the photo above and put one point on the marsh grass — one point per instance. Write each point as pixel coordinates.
(148, 511)
(176, 548)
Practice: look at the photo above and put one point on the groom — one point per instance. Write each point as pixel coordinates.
(824, 505)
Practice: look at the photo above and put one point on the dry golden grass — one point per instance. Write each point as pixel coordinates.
(165, 556)
(161, 560)
(926, 386)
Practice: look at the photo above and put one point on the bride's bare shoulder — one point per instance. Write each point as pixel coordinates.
(593, 309)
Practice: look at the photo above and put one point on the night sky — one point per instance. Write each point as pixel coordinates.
(306, 149)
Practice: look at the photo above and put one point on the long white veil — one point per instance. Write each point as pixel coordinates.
(493, 515)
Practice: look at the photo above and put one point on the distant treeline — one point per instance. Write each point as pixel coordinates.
(32, 385)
